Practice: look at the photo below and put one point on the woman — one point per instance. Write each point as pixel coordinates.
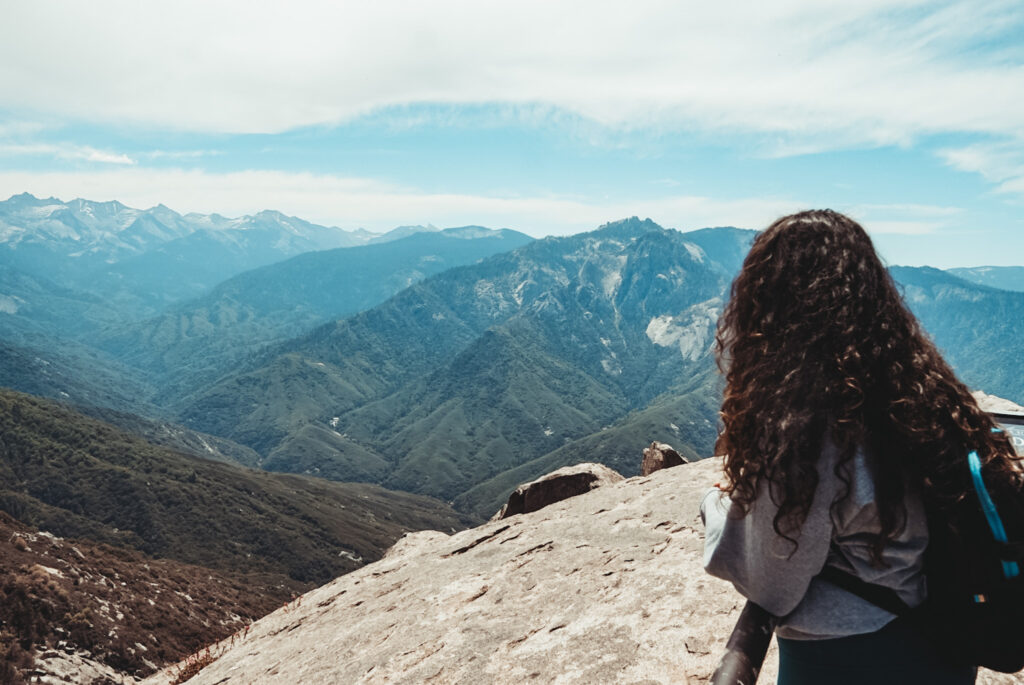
(841, 422)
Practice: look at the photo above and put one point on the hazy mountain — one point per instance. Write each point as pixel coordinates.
(140, 260)
(76, 476)
(34, 304)
(202, 337)
(1002, 277)
(403, 232)
(34, 231)
(484, 367)
(979, 329)
(726, 246)
(71, 372)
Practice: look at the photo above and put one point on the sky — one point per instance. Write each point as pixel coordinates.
(546, 117)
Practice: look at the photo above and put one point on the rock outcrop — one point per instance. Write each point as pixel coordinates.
(602, 587)
(556, 486)
(997, 404)
(660, 456)
(605, 587)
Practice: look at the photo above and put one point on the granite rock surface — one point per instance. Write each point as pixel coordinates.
(604, 587)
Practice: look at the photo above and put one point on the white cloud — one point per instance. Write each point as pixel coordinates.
(180, 154)
(65, 151)
(12, 129)
(354, 202)
(818, 74)
(904, 219)
(996, 161)
(1000, 162)
(903, 227)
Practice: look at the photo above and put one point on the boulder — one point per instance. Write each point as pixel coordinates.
(556, 486)
(660, 456)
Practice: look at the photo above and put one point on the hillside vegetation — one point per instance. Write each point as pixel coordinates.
(197, 340)
(485, 368)
(79, 477)
(71, 601)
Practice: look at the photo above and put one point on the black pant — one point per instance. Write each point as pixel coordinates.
(897, 655)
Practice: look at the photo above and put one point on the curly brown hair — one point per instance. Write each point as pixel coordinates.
(817, 342)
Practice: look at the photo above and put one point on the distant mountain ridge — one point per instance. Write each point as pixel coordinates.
(112, 231)
(979, 329)
(202, 338)
(148, 258)
(93, 291)
(1002, 277)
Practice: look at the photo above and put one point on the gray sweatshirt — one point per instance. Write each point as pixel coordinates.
(766, 568)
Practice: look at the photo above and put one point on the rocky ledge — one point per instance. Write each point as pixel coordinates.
(605, 587)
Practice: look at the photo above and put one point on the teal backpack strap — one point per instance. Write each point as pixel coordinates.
(1011, 569)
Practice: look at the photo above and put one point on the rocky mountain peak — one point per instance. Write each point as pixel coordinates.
(28, 200)
(631, 227)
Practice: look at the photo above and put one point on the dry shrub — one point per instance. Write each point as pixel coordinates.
(193, 664)
(14, 661)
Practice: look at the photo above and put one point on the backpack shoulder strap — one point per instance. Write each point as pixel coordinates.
(882, 597)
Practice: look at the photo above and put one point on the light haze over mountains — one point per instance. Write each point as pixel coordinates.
(292, 370)
(452, 362)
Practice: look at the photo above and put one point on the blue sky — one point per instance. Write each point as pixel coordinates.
(550, 118)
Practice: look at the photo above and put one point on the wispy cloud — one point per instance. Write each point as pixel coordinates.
(816, 76)
(65, 151)
(1000, 162)
(17, 129)
(179, 154)
(904, 218)
(904, 227)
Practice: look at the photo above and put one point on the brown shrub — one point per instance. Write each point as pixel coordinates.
(14, 661)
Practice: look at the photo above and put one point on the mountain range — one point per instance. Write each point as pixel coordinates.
(486, 375)
(429, 371)
(453, 363)
(203, 337)
(143, 259)
(485, 367)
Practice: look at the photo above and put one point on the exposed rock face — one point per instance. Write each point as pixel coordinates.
(605, 587)
(997, 404)
(556, 486)
(660, 456)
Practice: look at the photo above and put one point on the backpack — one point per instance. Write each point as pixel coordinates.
(974, 566)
